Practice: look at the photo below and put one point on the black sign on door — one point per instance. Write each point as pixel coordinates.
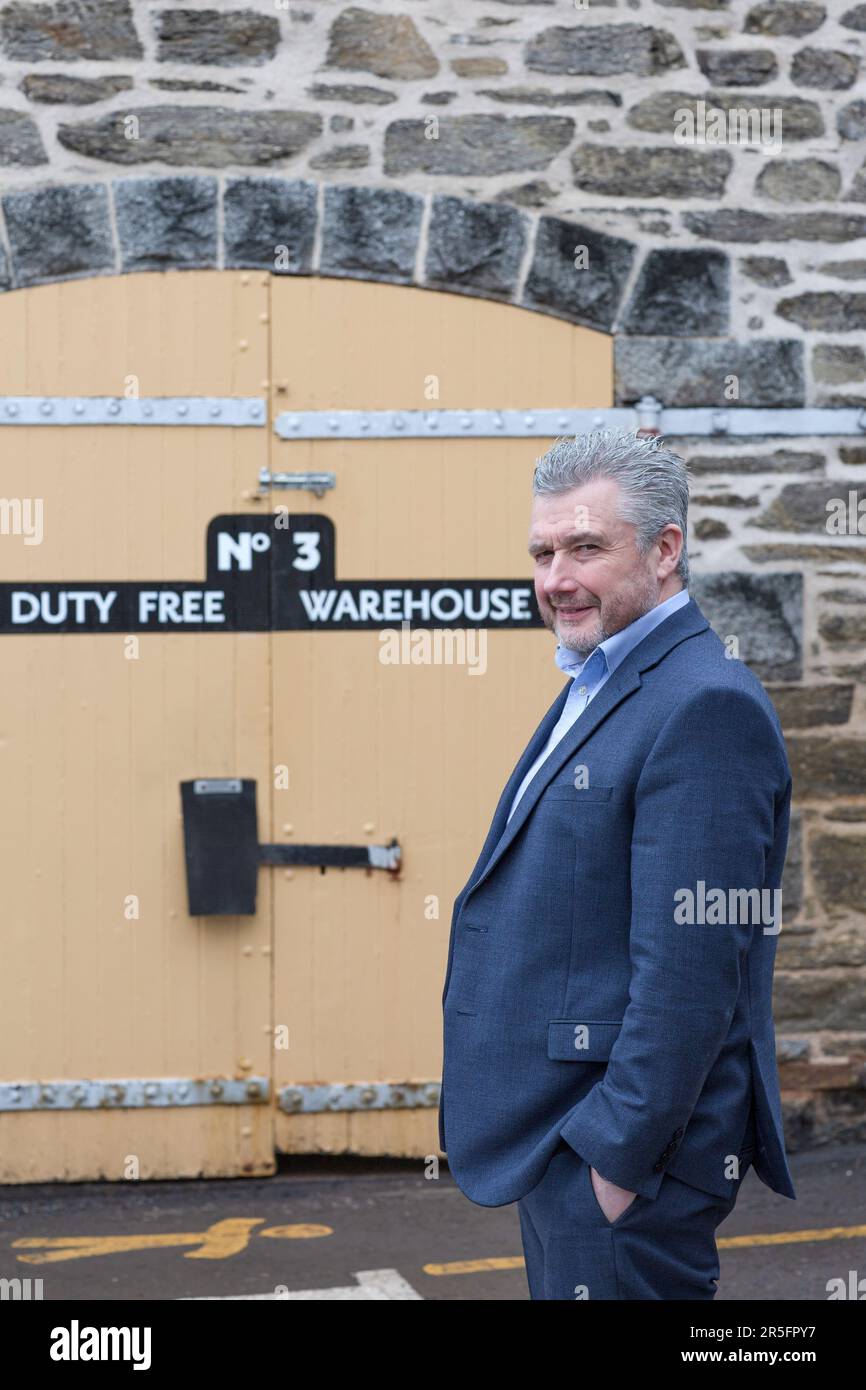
(267, 574)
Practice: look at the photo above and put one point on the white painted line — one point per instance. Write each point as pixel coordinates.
(373, 1284)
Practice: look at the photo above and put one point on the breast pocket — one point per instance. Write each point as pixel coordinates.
(567, 791)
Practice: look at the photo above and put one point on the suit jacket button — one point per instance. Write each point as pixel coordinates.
(657, 1167)
(678, 1133)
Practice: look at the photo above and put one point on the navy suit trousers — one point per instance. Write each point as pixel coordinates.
(659, 1248)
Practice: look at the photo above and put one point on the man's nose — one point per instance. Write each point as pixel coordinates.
(558, 575)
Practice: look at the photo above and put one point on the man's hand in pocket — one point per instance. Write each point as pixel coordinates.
(613, 1200)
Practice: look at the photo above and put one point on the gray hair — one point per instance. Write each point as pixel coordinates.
(654, 481)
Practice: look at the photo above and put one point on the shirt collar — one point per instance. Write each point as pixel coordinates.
(616, 648)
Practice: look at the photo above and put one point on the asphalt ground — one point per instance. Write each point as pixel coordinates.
(345, 1228)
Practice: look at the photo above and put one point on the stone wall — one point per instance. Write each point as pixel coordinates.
(583, 160)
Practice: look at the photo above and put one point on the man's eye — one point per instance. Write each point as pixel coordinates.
(587, 545)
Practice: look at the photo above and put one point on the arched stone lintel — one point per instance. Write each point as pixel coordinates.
(65, 231)
(669, 310)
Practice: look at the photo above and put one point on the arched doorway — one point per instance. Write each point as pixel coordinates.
(236, 1023)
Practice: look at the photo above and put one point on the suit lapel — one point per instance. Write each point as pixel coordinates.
(614, 690)
(685, 622)
(524, 763)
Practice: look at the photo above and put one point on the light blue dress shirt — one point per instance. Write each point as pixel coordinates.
(591, 673)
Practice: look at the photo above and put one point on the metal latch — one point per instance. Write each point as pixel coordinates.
(222, 849)
(334, 856)
(310, 482)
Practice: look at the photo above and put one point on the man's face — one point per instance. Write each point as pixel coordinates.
(590, 580)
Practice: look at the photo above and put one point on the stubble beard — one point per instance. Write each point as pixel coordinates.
(616, 617)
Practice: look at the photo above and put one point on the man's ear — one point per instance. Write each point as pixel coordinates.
(670, 543)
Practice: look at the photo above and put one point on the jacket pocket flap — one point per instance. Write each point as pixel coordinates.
(567, 791)
(581, 1040)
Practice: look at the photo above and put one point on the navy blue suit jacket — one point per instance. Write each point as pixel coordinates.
(576, 1004)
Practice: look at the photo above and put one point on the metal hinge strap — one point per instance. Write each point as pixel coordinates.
(648, 416)
(136, 1094)
(359, 1095)
(214, 411)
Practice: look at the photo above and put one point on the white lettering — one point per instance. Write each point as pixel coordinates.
(318, 603)
(520, 603)
(346, 606)
(499, 603)
(239, 549)
(391, 604)
(370, 609)
(54, 608)
(213, 606)
(19, 613)
(168, 606)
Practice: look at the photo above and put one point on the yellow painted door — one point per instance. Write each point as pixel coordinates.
(105, 975)
(417, 751)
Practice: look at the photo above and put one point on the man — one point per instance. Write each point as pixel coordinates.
(609, 1059)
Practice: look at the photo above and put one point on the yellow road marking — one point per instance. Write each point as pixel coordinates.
(476, 1266)
(226, 1238)
(218, 1242)
(791, 1237)
(726, 1243)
